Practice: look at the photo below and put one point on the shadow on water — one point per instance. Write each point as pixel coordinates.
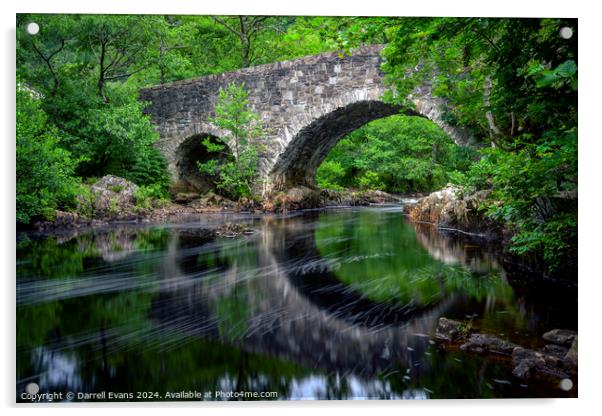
(324, 304)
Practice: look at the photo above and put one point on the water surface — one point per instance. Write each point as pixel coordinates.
(335, 304)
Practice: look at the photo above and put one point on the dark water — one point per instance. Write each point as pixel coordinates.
(320, 305)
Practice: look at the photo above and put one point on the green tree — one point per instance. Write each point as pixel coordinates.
(44, 170)
(234, 115)
(246, 29)
(395, 154)
(513, 83)
(84, 68)
(117, 47)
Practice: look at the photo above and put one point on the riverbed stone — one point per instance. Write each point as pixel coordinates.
(483, 343)
(232, 230)
(448, 329)
(186, 197)
(555, 350)
(213, 200)
(528, 363)
(560, 336)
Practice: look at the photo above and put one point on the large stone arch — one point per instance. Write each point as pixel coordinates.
(298, 163)
(294, 99)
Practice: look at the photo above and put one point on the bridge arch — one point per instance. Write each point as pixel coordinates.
(187, 156)
(298, 163)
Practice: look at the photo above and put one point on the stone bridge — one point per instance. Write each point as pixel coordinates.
(307, 105)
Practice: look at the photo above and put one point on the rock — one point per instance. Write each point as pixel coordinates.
(213, 200)
(376, 197)
(448, 329)
(523, 370)
(529, 362)
(112, 195)
(488, 343)
(571, 356)
(451, 209)
(302, 197)
(231, 230)
(525, 361)
(245, 204)
(431, 207)
(186, 197)
(296, 198)
(65, 219)
(560, 336)
(555, 350)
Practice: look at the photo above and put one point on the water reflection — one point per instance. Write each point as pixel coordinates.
(335, 304)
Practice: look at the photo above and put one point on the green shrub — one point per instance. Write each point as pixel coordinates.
(148, 197)
(85, 201)
(150, 168)
(330, 175)
(371, 180)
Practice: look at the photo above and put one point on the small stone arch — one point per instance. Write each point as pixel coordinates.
(188, 153)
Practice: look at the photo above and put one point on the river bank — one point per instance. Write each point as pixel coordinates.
(114, 200)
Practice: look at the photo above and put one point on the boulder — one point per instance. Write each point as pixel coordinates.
(560, 337)
(112, 195)
(488, 343)
(300, 197)
(377, 197)
(448, 329)
(450, 208)
(246, 204)
(528, 362)
(65, 219)
(434, 207)
(555, 350)
(525, 361)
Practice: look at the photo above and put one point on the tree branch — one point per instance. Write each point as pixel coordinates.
(49, 64)
(226, 25)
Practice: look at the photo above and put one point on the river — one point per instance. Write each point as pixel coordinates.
(327, 304)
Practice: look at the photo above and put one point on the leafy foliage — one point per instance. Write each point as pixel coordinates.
(149, 196)
(396, 154)
(513, 82)
(234, 177)
(44, 170)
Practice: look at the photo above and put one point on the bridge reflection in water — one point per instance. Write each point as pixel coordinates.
(318, 305)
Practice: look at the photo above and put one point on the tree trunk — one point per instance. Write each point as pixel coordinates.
(101, 75)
